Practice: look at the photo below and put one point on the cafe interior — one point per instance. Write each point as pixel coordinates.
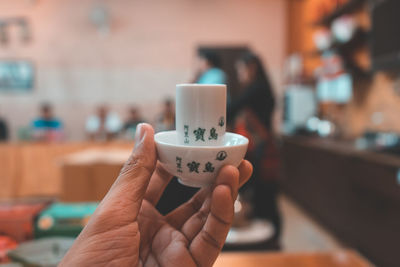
(314, 85)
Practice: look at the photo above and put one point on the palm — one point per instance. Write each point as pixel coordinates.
(127, 230)
(161, 243)
(178, 236)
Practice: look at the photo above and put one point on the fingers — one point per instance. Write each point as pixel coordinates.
(207, 244)
(229, 176)
(158, 182)
(161, 178)
(245, 170)
(180, 215)
(130, 187)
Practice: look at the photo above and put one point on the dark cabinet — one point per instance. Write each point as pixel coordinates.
(353, 193)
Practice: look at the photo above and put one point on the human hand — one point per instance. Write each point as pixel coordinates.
(127, 230)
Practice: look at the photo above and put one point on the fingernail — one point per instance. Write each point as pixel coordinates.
(139, 136)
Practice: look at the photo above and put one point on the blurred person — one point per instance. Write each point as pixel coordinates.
(127, 230)
(208, 68)
(105, 125)
(3, 130)
(166, 120)
(253, 110)
(132, 122)
(47, 127)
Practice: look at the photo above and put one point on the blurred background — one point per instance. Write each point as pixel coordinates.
(123, 52)
(313, 84)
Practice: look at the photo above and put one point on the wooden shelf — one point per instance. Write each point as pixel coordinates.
(345, 50)
(356, 70)
(349, 7)
(360, 38)
(347, 190)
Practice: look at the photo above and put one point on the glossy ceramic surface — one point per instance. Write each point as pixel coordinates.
(200, 114)
(197, 166)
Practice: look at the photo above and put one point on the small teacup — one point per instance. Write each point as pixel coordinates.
(198, 166)
(200, 114)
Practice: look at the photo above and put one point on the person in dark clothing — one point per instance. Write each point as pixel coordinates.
(251, 114)
(3, 130)
(256, 90)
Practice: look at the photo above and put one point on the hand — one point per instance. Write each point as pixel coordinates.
(127, 230)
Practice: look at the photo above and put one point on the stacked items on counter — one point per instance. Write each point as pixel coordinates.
(39, 232)
(6, 244)
(63, 219)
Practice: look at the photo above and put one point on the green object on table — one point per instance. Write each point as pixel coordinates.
(46, 252)
(64, 219)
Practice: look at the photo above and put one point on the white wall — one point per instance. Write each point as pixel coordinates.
(149, 49)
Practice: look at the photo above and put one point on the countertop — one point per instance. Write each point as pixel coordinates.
(344, 147)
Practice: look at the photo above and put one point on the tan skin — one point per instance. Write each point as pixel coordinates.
(127, 230)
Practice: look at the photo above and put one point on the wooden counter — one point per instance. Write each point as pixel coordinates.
(33, 169)
(346, 258)
(354, 193)
(88, 175)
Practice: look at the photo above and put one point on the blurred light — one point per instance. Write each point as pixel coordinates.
(398, 176)
(312, 124)
(237, 206)
(343, 28)
(361, 143)
(100, 17)
(377, 118)
(325, 128)
(341, 258)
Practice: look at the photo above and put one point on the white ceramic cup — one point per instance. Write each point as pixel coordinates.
(198, 166)
(200, 114)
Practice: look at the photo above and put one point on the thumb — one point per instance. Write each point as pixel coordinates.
(128, 190)
(120, 207)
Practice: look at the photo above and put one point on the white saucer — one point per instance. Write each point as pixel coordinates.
(256, 232)
(197, 166)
